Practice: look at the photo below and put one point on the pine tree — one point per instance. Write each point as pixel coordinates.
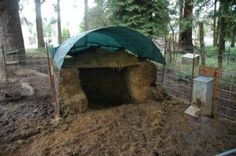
(149, 17)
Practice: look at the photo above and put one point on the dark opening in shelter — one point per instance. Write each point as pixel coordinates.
(104, 86)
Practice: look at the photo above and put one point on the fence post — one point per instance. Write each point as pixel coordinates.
(163, 74)
(193, 66)
(4, 62)
(53, 86)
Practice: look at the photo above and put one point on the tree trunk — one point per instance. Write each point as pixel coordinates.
(185, 40)
(181, 3)
(172, 41)
(221, 45)
(222, 32)
(59, 21)
(165, 48)
(85, 15)
(217, 31)
(201, 36)
(170, 49)
(39, 24)
(10, 31)
(233, 37)
(214, 26)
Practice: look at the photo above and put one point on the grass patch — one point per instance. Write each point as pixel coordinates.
(36, 52)
(184, 71)
(213, 51)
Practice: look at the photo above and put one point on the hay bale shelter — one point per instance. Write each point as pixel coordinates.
(107, 66)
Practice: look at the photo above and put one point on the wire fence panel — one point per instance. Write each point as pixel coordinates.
(21, 75)
(177, 77)
(227, 96)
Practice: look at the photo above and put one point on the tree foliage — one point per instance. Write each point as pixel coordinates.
(149, 17)
(98, 16)
(48, 29)
(65, 33)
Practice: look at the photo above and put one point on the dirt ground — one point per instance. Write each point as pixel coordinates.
(153, 128)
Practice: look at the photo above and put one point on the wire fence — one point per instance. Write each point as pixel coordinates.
(177, 78)
(22, 75)
(227, 96)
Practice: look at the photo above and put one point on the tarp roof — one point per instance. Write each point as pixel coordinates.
(111, 39)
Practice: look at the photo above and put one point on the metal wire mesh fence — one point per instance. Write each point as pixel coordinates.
(227, 96)
(177, 78)
(23, 75)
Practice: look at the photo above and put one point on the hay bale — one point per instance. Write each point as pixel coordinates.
(72, 97)
(96, 58)
(107, 79)
(140, 81)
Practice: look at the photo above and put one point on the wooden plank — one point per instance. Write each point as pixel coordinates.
(12, 62)
(12, 52)
(216, 74)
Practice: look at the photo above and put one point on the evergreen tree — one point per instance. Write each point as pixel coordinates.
(149, 17)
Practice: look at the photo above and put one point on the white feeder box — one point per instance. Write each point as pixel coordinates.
(203, 94)
(189, 57)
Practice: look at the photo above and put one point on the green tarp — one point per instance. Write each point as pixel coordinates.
(111, 39)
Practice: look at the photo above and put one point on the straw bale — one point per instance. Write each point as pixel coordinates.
(72, 98)
(140, 80)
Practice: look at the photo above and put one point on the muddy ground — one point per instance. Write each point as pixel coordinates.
(153, 128)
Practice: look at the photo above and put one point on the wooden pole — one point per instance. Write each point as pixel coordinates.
(53, 85)
(4, 62)
(164, 67)
(193, 66)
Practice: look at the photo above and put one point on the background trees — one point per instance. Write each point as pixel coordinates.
(149, 17)
(85, 14)
(185, 35)
(10, 27)
(39, 23)
(227, 22)
(98, 16)
(58, 10)
(154, 18)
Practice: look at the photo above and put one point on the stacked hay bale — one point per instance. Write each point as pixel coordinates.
(100, 77)
(72, 97)
(141, 81)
